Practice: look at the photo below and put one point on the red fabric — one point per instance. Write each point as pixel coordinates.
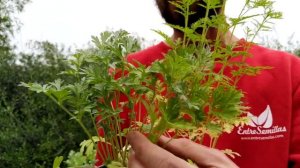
(275, 92)
(277, 89)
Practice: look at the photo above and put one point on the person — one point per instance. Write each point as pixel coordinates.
(148, 155)
(272, 137)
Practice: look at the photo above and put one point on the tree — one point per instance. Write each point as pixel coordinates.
(33, 130)
(292, 46)
(297, 52)
(8, 23)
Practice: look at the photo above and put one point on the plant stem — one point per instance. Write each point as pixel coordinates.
(205, 28)
(186, 21)
(73, 116)
(102, 155)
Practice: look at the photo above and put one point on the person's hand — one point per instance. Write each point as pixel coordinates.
(148, 155)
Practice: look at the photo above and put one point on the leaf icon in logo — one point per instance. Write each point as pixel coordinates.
(265, 119)
(253, 120)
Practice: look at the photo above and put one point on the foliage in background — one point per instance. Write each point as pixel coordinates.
(292, 46)
(297, 52)
(8, 24)
(33, 130)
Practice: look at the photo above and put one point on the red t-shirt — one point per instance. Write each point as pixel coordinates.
(272, 138)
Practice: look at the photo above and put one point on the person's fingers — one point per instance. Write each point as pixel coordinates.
(203, 156)
(151, 155)
(133, 162)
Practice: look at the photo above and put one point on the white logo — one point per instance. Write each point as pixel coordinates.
(261, 124)
(265, 119)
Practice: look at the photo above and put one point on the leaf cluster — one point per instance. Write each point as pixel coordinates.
(93, 85)
(33, 130)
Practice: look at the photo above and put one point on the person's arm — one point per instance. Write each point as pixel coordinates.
(148, 155)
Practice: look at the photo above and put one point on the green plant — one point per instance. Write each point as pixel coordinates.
(85, 157)
(33, 130)
(183, 93)
(81, 95)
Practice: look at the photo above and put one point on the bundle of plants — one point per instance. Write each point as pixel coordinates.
(191, 92)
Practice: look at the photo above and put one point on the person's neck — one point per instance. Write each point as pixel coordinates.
(227, 39)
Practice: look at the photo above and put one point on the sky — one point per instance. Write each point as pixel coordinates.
(73, 22)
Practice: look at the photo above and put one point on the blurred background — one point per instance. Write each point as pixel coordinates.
(72, 22)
